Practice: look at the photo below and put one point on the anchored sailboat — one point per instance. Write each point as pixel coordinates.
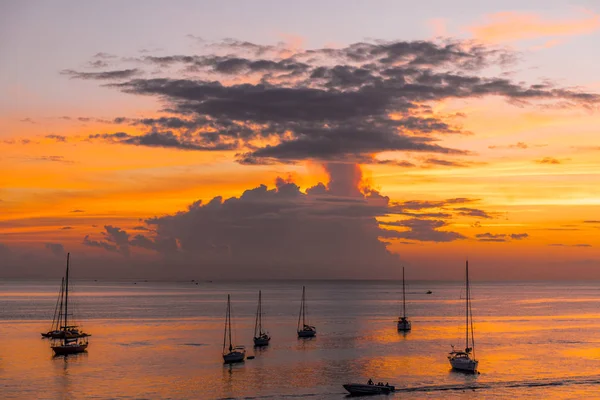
(55, 331)
(404, 324)
(306, 330)
(231, 353)
(67, 339)
(465, 360)
(261, 338)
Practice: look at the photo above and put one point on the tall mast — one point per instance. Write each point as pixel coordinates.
(403, 296)
(226, 321)
(60, 308)
(229, 315)
(67, 294)
(303, 307)
(258, 323)
(467, 304)
(471, 315)
(259, 312)
(301, 315)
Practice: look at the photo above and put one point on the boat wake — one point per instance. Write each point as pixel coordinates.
(505, 385)
(536, 383)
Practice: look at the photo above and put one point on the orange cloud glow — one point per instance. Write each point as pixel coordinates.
(513, 26)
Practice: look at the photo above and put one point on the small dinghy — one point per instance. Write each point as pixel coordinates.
(361, 389)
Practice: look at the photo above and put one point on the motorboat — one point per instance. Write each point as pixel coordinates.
(361, 389)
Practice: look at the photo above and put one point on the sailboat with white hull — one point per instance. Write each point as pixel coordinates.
(404, 324)
(231, 353)
(465, 360)
(261, 338)
(304, 330)
(67, 339)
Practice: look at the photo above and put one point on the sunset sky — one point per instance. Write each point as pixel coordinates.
(315, 139)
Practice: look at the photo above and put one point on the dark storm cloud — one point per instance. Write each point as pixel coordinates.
(104, 75)
(321, 104)
(56, 248)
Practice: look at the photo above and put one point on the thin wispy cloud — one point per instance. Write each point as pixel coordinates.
(513, 26)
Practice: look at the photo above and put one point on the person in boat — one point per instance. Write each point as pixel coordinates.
(370, 382)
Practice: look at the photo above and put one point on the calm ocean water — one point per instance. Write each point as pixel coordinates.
(163, 340)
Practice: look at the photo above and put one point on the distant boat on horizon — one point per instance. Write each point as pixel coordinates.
(231, 353)
(67, 339)
(465, 360)
(304, 330)
(261, 338)
(404, 324)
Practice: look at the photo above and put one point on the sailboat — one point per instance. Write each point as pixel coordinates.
(58, 330)
(465, 360)
(306, 330)
(55, 331)
(261, 338)
(231, 353)
(68, 339)
(404, 324)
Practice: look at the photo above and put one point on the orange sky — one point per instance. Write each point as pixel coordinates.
(534, 169)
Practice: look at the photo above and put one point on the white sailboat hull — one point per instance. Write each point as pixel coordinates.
(463, 364)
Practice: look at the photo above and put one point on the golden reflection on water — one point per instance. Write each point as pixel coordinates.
(181, 357)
